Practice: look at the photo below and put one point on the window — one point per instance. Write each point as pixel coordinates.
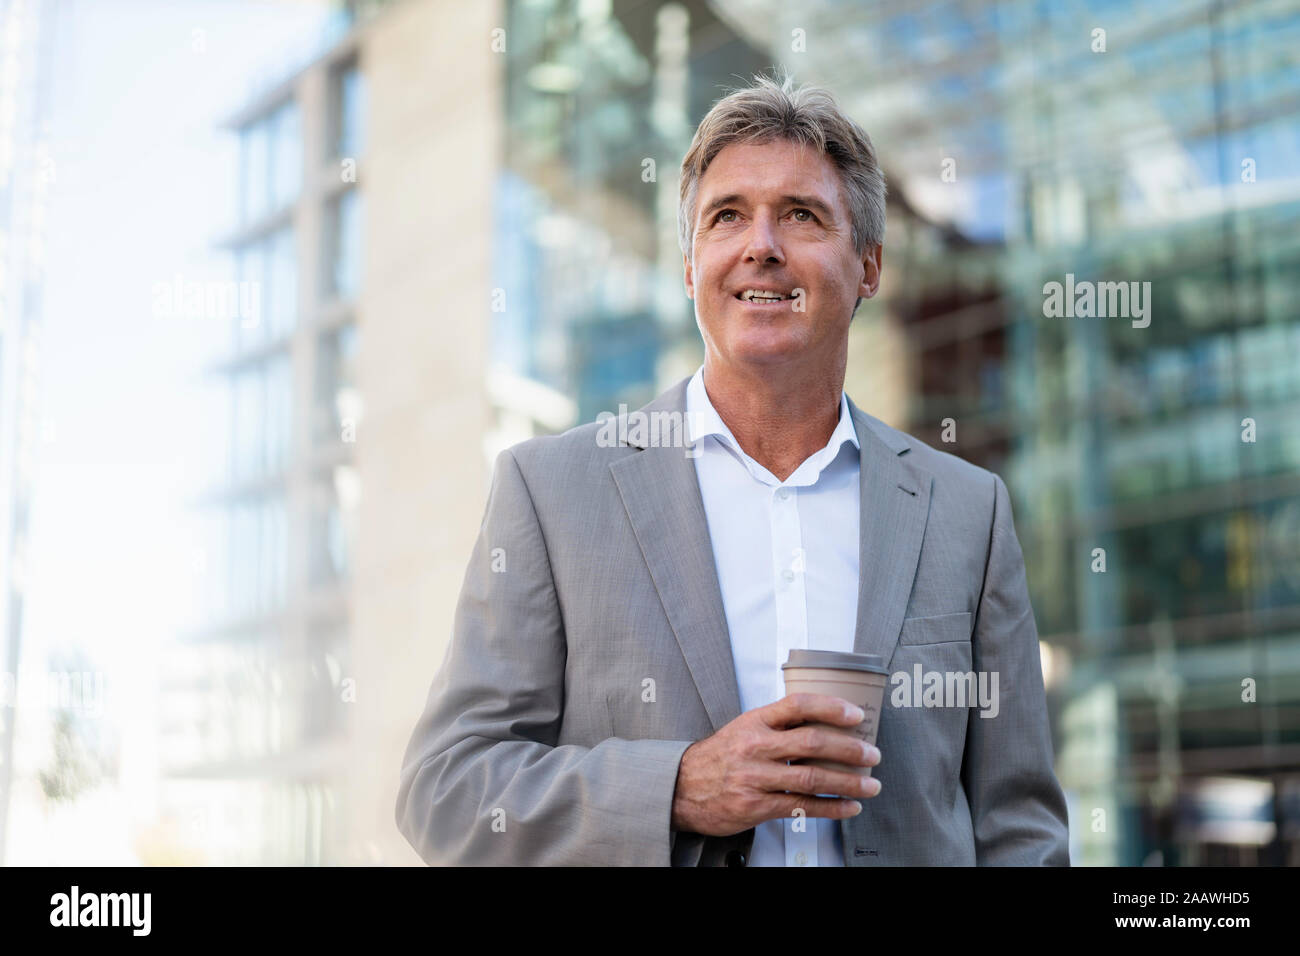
(273, 543)
(249, 402)
(338, 402)
(279, 406)
(244, 555)
(286, 155)
(262, 405)
(330, 532)
(271, 160)
(249, 330)
(255, 167)
(348, 119)
(258, 555)
(270, 268)
(282, 312)
(343, 253)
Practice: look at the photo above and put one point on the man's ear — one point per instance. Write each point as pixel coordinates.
(872, 263)
(690, 276)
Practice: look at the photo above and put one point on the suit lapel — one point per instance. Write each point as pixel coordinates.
(661, 494)
(894, 506)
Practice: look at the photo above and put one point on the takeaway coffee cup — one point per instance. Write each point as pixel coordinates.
(858, 678)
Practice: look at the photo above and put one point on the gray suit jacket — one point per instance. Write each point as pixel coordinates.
(591, 649)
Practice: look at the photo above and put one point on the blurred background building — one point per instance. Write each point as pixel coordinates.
(459, 222)
(26, 170)
(1022, 142)
(365, 371)
(251, 746)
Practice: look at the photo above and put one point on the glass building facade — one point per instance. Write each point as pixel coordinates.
(598, 115)
(253, 738)
(1153, 456)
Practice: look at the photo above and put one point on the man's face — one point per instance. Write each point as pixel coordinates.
(773, 217)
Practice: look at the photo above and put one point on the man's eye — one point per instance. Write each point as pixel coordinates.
(732, 212)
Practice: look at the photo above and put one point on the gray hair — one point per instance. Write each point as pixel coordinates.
(807, 115)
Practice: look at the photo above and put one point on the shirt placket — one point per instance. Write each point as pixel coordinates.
(788, 566)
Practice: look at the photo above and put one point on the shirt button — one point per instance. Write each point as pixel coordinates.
(783, 494)
(801, 858)
(788, 575)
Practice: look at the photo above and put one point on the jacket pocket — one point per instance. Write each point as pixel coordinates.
(937, 629)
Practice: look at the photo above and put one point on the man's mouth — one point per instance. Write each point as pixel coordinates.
(762, 296)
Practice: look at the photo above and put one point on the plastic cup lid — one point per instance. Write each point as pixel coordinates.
(839, 660)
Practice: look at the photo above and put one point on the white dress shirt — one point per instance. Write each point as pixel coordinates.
(787, 559)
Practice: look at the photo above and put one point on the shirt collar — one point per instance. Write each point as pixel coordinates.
(702, 420)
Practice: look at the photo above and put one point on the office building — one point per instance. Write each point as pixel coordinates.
(1153, 464)
(357, 410)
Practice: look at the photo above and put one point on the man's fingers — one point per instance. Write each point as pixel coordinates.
(794, 709)
(785, 805)
(820, 742)
(809, 779)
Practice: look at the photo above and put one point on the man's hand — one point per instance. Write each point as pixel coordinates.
(738, 777)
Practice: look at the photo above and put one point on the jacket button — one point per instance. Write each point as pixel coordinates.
(735, 858)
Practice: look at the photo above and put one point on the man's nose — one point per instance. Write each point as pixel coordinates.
(762, 243)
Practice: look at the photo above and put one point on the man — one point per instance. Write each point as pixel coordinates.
(612, 692)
